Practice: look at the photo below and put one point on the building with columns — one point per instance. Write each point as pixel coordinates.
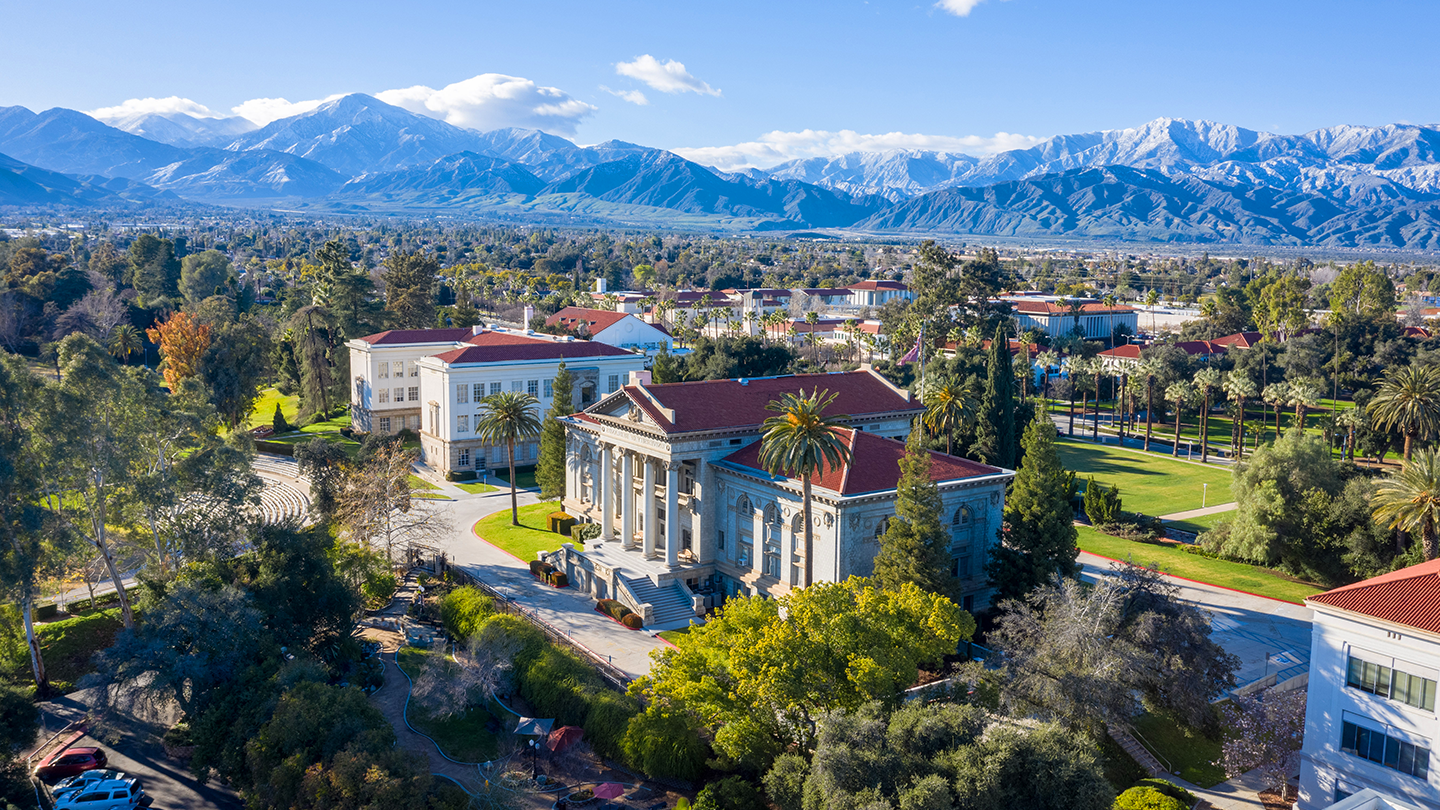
(689, 517)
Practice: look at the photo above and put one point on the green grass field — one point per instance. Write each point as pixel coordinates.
(264, 413)
(525, 479)
(68, 646)
(529, 537)
(471, 737)
(1172, 560)
(418, 483)
(1188, 751)
(1149, 483)
(673, 636)
(1204, 523)
(477, 488)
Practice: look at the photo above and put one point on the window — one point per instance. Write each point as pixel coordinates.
(463, 460)
(533, 388)
(720, 540)
(549, 388)
(479, 391)
(414, 393)
(384, 373)
(494, 388)
(385, 424)
(462, 423)
(744, 558)
(462, 394)
(517, 385)
(384, 395)
(1381, 748)
(1411, 690)
(399, 394)
(882, 527)
(964, 566)
(685, 539)
(414, 369)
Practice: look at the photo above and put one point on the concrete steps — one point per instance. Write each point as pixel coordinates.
(673, 608)
(1137, 752)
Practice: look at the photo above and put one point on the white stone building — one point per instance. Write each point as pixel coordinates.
(432, 380)
(688, 517)
(620, 329)
(1370, 718)
(878, 293)
(1054, 316)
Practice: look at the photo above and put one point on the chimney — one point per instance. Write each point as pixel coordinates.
(641, 378)
(529, 315)
(600, 285)
(477, 329)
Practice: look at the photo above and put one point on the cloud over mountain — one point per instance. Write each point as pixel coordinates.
(493, 101)
(153, 106)
(264, 110)
(667, 77)
(778, 147)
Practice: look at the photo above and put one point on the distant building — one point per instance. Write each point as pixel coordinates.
(1055, 317)
(613, 328)
(1122, 359)
(878, 293)
(1370, 719)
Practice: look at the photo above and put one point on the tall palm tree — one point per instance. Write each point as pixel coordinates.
(802, 439)
(1049, 359)
(509, 417)
(1179, 392)
(1149, 372)
(1303, 394)
(1074, 370)
(124, 341)
(950, 406)
(1349, 420)
(1277, 395)
(1410, 500)
(812, 320)
(1408, 401)
(1239, 387)
(1206, 381)
(1097, 366)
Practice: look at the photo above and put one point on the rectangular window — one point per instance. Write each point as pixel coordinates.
(462, 394)
(494, 388)
(613, 384)
(414, 393)
(464, 458)
(399, 394)
(414, 369)
(1381, 748)
(1411, 690)
(479, 391)
(517, 386)
(533, 388)
(720, 540)
(462, 423)
(384, 371)
(384, 424)
(549, 389)
(384, 395)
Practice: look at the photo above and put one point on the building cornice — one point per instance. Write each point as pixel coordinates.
(1365, 618)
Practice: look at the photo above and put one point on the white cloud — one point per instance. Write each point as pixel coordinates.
(131, 108)
(264, 110)
(778, 147)
(667, 77)
(960, 8)
(494, 100)
(632, 96)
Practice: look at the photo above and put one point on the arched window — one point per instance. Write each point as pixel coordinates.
(742, 505)
(585, 455)
(772, 515)
(797, 531)
(882, 527)
(962, 517)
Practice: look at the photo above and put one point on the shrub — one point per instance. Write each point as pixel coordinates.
(730, 793)
(464, 610)
(585, 533)
(1102, 505)
(278, 423)
(632, 621)
(560, 523)
(1170, 789)
(607, 720)
(379, 586)
(613, 608)
(540, 568)
(559, 580)
(1147, 798)
(785, 781)
(554, 686)
(461, 475)
(665, 743)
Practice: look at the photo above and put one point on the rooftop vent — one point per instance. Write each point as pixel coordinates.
(743, 381)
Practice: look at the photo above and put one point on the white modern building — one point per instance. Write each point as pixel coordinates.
(620, 329)
(689, 517)
(432, 381)
(878, 293)
(1059, 317)
(1370, 718)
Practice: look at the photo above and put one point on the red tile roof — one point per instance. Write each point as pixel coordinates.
(1239, 340)
(874, 465)
(395, 337)
(1127, 352)
(1410, 596)
(1417, 332)
(596, 320)
(1051, 308)
(508, 347)
(1194, 348)
(879, 285)
(719, 404)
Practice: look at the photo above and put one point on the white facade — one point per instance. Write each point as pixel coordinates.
(385, 379)
(1372, 686)
(1096, 322)
(878, 293)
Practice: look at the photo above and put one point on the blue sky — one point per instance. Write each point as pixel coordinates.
(760, 80)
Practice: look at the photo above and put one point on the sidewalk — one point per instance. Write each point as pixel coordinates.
(1201, 512)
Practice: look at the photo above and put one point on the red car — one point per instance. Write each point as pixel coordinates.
(69, 762)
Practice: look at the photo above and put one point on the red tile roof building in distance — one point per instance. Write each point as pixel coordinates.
(1051, 308)
(595, 320)
(874, 465)
(506, 347)
(880, 285)
(1410, 596)
(397, 337)
(1239, 340)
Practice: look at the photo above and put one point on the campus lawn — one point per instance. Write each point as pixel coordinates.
(1172, 560)
(673, 636)
(477, 488)
(531, 536)
(1257, 425)
(264, 413)
(1188, 751)
(471, 737)
(1149, 483)
(416, 482)
(1204, 523)
(525, 479)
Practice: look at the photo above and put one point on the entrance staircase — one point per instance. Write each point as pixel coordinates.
(673, 607)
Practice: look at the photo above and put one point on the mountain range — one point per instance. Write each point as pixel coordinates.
(1168, 180)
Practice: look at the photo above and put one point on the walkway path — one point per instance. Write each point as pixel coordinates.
(1203, 511)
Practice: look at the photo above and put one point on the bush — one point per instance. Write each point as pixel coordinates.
(665, 743)
(1147, 798)
(584, 533)
(613, 608)
(461, 475)
(464, 610)
(558, 579)
(633, 621)
(607, 720)
(1102, 505)
(560, 523)
(278, 423)
(730, 793)
(1170, 789)
(785, 781)
(540, 568)
(379, 586)
(45, 612)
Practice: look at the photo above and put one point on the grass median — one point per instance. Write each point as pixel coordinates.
(1172, 560)
(531, 536)
(1149, 483)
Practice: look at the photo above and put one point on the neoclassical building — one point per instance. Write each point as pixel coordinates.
(689, 516)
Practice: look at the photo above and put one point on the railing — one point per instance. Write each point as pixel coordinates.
(616, 676)
(1150, 748)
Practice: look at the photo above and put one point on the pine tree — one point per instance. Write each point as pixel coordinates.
(550, 467)
(278, 424)
(664, 368)
(1039, 541)
(914, 547)
(995, 443)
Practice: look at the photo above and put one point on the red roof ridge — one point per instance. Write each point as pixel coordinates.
(1409, 596)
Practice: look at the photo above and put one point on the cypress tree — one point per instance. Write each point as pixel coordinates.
(278, 424)
(664, 368)
(995, 443)
(915, 545)
(550, 467)
(1039, 541)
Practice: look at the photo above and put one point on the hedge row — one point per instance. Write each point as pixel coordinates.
(549, 574)
(620, 613)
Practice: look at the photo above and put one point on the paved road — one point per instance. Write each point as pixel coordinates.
(1266, 634)
(1201, 512)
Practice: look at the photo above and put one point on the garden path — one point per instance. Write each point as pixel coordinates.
(1208, 510)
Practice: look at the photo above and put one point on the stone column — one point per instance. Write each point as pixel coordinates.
(607, 494)
(672, 514)
(697, 518)
(627, 499)
(757, 543)
(647, 497)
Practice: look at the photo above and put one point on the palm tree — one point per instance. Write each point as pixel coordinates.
(509, 417)
(1239, 387)
(1149, 370)
(1349, 420)
(1410, 500)
(1205, 381)
(1408, 401)
(804, 440)
(1179, 392)
(1303, 394)
(1049, 359)
(1276, 394)
(1073, 366)
(950, 406)
(812, 319)
(124, 341)
(1098, 367)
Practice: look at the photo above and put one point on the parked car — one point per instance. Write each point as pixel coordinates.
(78, 782)
(69, 762)
(104, 794)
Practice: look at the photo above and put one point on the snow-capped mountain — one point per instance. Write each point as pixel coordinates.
(182, 129)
